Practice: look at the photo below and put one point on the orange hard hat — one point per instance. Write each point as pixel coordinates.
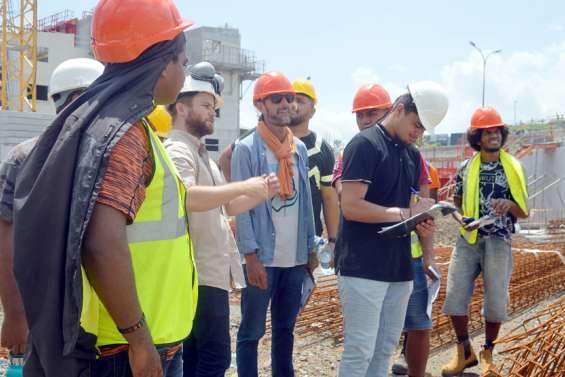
(123, 29)
(371, 96)
(271, 83)
(486, 117)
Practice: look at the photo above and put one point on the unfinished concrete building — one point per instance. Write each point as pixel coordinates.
(63, 36)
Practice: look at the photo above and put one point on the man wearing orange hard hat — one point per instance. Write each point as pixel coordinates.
(276, 238)
(491, 193)
(370, 104)
(118, 283)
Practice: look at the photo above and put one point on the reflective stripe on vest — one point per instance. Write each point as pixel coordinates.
(415, 245)
(162, 258)
(471, 177)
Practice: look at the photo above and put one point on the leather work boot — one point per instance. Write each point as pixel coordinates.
(458, 363)
(485, 356)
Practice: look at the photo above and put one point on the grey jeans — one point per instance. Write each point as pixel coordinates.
(491, 256)
(373, 313)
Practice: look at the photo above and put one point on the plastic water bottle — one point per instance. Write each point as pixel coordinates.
(325, 256)
(15, 367)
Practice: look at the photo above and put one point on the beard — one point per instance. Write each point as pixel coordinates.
(295, 120)
(199, 127)
(276, 119)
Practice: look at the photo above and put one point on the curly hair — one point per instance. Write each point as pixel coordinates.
(474, 137)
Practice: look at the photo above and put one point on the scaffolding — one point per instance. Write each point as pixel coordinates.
(18, 55)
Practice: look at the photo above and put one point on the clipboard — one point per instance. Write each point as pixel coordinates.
(405, 227)
(308, 285)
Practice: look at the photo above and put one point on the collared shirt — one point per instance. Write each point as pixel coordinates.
(255, 229)
(391, 171)
(216, 254)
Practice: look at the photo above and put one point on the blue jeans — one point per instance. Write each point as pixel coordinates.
(118, 365)
(373, 315)
(284, 290)
(416, 312)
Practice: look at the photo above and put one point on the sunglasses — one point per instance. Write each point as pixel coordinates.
(277, 98)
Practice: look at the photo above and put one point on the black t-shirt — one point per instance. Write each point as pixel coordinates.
(321, 163)
(492, 185)
(390, 169)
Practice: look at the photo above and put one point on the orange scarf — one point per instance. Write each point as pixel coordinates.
(283, 152)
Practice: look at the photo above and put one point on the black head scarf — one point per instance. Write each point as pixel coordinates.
(54, 198)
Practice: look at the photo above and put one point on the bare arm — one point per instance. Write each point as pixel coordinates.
(244, 195)
(242, 204)
(331, 210)
(14, 327)
(205, 198)
(517, 212)
(356, 208)
(107, 261)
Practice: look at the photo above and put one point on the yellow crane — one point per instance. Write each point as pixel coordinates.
(18, 41)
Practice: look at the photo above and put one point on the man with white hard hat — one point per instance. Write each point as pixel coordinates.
(67, 82)
(381, 171)
(209, 201)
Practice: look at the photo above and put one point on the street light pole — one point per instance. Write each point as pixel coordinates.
(485, 57)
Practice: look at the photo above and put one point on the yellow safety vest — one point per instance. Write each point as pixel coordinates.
(415, 245)
(516, 181)
(162, 259)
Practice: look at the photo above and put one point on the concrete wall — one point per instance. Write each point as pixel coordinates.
(220, 46)
(16, 127)
(201, 42)
(546, 165)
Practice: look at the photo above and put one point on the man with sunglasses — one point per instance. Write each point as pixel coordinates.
(209, 199)
(67, 82)
(276, 237)
(381, 171)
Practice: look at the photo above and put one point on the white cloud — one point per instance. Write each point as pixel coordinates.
(334, 121)
(534, 79)
(363, 75)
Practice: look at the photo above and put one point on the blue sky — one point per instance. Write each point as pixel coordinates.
(343, 44)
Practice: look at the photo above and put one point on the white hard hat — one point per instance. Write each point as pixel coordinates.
(431, 101)
(192, 85)
(74, 74)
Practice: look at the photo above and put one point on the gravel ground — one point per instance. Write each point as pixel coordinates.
(319, 355)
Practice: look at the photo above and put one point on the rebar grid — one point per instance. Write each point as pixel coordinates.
(535, 277)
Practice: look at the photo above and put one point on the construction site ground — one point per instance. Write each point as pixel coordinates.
(319, 355)
(538, 282)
